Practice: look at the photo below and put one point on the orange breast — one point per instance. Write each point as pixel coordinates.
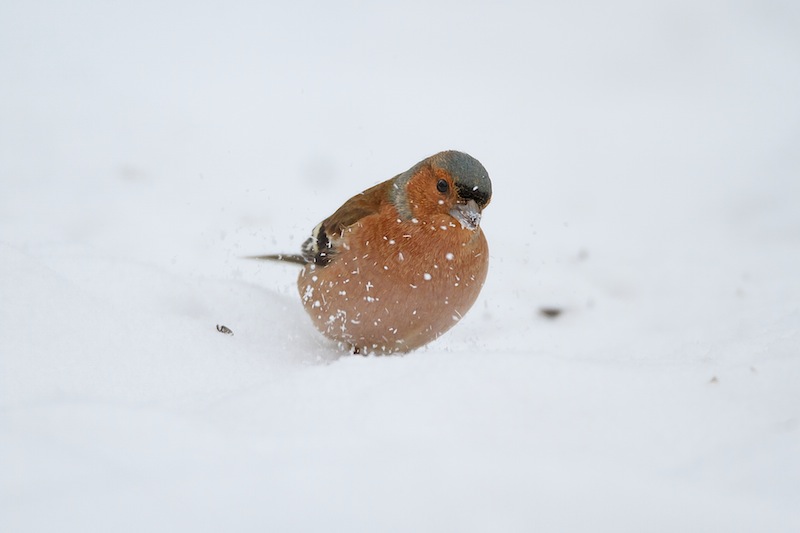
(394, 287)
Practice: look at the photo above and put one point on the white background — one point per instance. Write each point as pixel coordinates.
(646, 176)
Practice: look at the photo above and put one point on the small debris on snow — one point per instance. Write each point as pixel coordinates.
(224, 329)
(550, 312)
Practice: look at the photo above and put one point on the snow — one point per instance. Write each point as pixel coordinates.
(645, 173)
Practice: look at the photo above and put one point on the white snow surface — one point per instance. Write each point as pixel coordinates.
(646, 176)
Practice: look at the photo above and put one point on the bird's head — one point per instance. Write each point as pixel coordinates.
(450, 182)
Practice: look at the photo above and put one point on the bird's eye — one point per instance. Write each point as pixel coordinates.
(442, 186)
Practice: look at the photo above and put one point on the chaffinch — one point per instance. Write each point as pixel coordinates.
(401, 263)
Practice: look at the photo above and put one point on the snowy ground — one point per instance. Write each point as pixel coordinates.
(647, 179)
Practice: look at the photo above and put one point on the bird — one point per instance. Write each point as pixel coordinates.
(399, 264)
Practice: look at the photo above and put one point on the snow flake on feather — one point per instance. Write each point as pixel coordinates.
(308, 293)
(338, 320)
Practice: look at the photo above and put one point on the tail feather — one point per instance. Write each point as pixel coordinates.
(287, 258)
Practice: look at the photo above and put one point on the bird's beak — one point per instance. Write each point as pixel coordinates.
(469, 214)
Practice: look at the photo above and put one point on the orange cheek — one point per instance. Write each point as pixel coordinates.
(423, 196)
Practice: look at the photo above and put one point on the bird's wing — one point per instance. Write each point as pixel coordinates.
(326, 237)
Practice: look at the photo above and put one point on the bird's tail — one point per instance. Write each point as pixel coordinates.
(288, 258)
